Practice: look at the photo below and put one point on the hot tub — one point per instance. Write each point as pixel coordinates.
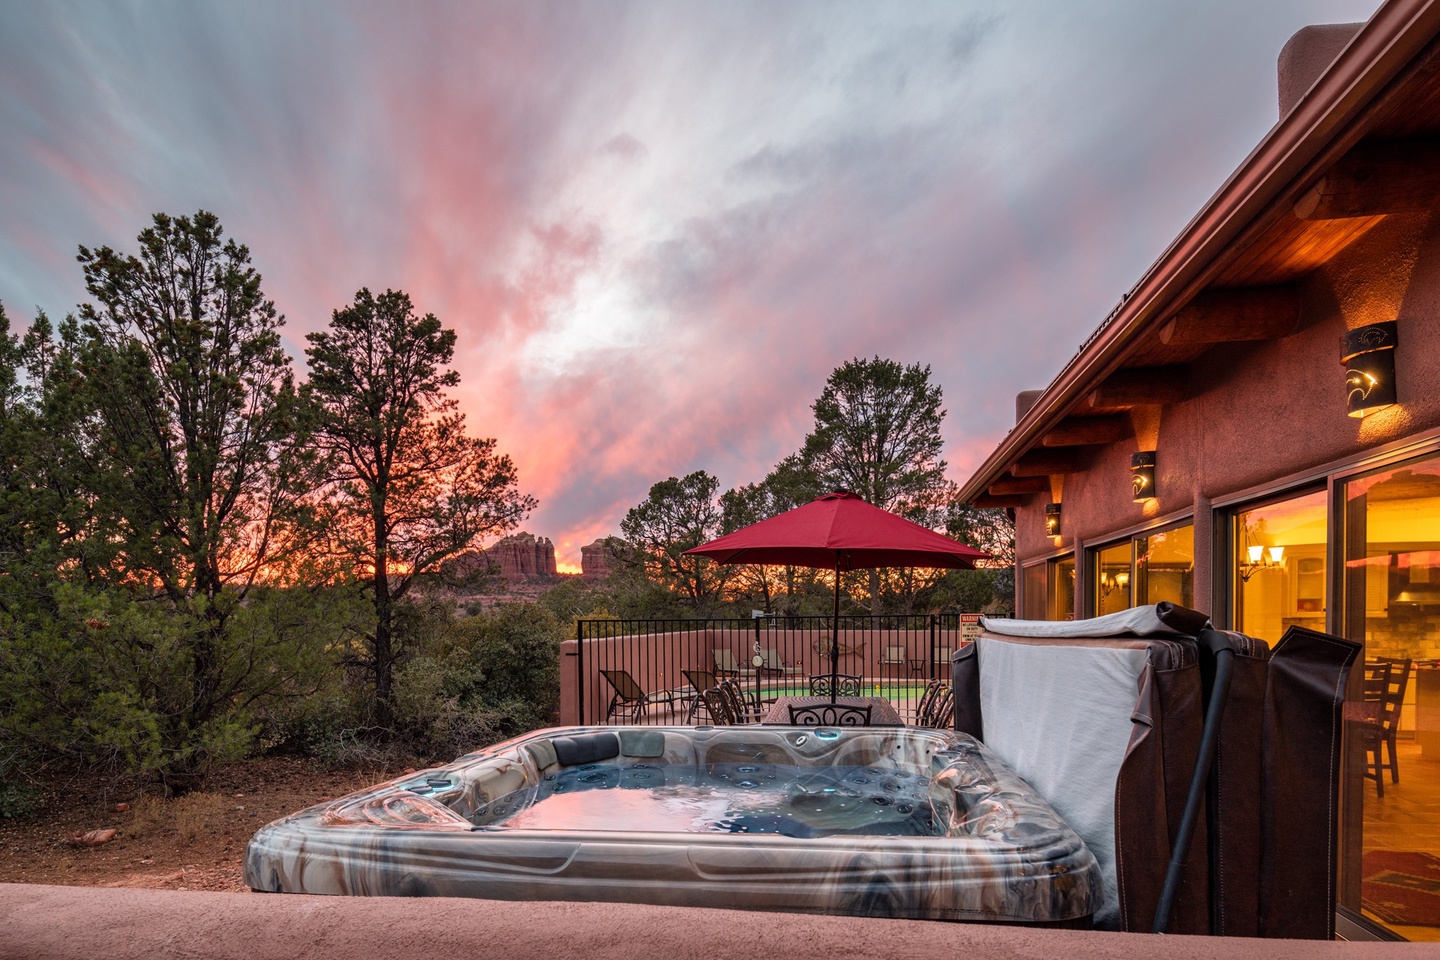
(896, 822)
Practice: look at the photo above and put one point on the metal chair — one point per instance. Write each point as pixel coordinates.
(893, 656)
(773, 666)
(830, 715)
(1385, 682)
(937, 707)
(726, 665)
(629, 695)
(846, 685)
(727, 705)
(700, 681)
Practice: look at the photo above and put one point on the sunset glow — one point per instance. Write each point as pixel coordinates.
(656, 227)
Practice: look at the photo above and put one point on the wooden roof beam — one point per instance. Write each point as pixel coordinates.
(1229, 315)
(1377, 178)
(1139, 387)
(1087, 431)
(1043, 463)
(1011, 486)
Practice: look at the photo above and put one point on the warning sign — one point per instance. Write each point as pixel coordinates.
(969, 627)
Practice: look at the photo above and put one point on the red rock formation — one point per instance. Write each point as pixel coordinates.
(520, 557)
(596, 560)
(523, 557)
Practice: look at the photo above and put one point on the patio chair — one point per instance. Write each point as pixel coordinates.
(743, 702)
(630, 696)
(893, 656)
(774, 666)
(937, 707)
(830, 715)
(1389, 677)
(941, 660)
(726, 666)
(703, 681)
(846, 685)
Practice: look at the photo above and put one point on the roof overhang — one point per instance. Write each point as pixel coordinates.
(1297, 151)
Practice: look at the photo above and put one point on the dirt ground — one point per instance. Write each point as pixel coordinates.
(193, 842)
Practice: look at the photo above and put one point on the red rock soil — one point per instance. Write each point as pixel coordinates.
(194, 842)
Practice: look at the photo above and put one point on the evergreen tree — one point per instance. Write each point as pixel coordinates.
(411, 489)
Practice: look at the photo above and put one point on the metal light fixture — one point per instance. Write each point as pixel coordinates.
(1052, 519)
(1260, 558)
(1368, 355)
(1142, 476)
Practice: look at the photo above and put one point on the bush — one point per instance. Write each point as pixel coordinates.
(488, 678)
(107, 677)
(19, 801)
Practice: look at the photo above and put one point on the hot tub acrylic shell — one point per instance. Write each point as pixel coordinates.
(1003, 855)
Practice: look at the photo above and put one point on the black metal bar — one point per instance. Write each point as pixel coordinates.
(580, 678)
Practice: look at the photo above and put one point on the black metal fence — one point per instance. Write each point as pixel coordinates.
(649, 671)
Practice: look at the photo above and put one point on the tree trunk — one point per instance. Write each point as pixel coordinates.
(384, 654)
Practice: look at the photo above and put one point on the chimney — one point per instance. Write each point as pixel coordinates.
(1307, 55)
(1024, 400)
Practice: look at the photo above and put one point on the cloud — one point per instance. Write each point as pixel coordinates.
(656, 227)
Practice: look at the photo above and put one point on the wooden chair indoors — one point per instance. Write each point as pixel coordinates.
(1385, 682)
(846, 685)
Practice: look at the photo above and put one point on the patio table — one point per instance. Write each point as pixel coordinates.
(882, 711)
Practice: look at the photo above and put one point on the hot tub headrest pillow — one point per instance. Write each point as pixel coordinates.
(586, 748)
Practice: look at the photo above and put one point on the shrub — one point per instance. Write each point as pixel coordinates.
(488, 678)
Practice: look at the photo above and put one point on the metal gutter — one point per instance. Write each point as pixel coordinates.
(1290, 155)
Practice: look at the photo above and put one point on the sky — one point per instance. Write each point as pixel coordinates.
(656, 227)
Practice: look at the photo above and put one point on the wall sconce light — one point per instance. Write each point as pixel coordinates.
(1142, 476)
(1368, 355)
(1052, 519)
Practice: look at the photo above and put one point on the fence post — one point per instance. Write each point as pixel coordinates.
(580, 669)
(934, 631)
(756, 647)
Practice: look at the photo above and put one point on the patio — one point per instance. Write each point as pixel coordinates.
(893, 657)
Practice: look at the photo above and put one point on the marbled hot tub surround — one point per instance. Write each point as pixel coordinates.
(901, 822)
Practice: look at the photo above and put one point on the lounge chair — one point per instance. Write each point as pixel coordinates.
(727, 667)
(893, 656)
(701, 681)
(631, 697)
(773, 666)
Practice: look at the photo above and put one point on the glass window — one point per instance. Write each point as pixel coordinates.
(1062, 588)
(1165, 567)
(1050, 589)
(1112, 579)
(1392, 603)
(1033, 589)
(1278, 575)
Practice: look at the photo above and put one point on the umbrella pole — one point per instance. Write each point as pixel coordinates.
(835, 636)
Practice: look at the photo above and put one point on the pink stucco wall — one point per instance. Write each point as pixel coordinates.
(1260, 411)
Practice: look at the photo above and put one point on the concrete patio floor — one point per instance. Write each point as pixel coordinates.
(57, 923)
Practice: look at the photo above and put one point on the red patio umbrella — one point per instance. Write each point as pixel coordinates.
(839, 532)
